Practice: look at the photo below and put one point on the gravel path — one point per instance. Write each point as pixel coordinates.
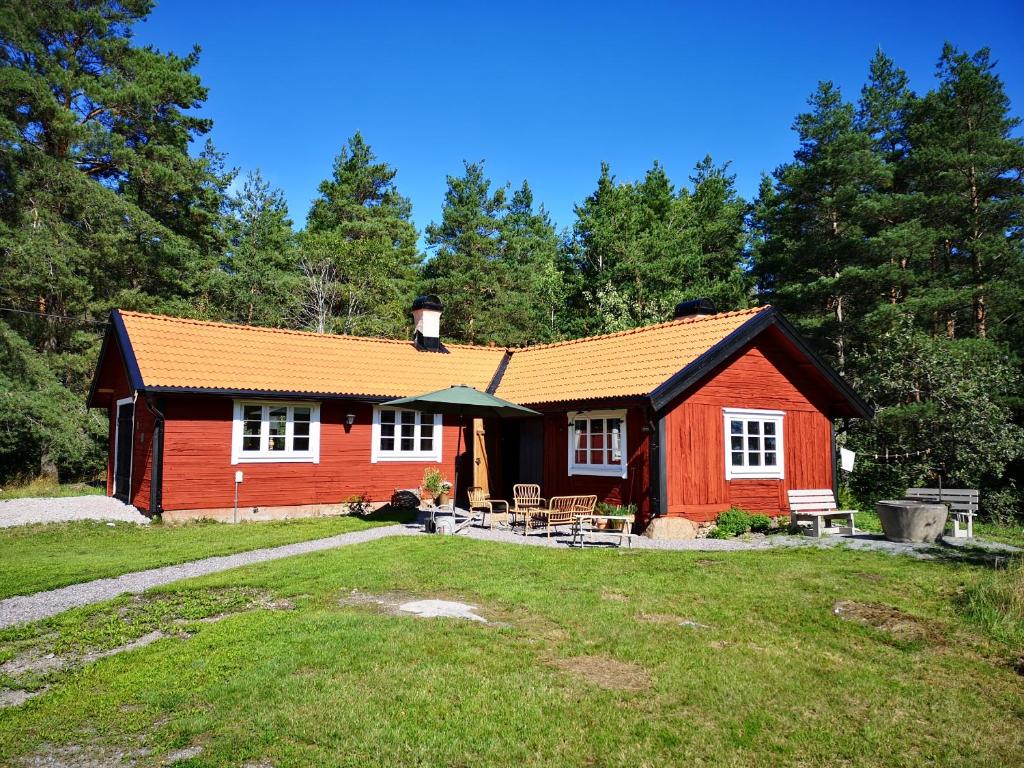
(62, 510)
(18, 610)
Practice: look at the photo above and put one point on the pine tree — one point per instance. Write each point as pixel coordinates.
(260, 277)
(101, 203)
(359, 248)
(814, 262)
(533, 290)
(466, 269)
(969, 171)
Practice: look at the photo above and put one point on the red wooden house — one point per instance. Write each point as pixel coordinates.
(687, 417)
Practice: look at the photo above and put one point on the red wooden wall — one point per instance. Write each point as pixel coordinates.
(632, 489)
(762, 375)
(198, 473)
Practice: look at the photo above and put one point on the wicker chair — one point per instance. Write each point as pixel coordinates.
(479, 500)
(561, 510)
(525, 499)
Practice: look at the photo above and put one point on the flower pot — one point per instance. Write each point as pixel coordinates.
(426, 496)
(444, 498)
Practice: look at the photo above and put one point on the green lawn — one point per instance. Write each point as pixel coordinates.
(587, 663)
(50, 488)
(37, 557)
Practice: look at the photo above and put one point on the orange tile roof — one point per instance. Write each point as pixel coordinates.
(193, 354)
(173, 352)
(633, 362)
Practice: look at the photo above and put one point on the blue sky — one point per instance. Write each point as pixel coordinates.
(546, 91)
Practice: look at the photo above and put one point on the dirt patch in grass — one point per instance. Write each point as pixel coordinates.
(890, 620)
(605, 672)
(616, 597)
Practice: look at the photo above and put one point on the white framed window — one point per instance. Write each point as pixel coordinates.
(597, 443)
(267, 431)
(400, 435)
(753, 443)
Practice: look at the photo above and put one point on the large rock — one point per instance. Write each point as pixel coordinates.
(912, 521)
(671, 529)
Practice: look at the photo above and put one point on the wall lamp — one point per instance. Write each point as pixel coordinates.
(350, 419)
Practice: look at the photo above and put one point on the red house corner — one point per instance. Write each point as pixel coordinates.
(686, 417)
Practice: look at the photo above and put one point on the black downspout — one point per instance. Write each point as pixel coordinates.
(658, 481)
(156, 476)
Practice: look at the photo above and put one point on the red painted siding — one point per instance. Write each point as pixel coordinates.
(632, 489)
(198, 473)
(763, 375)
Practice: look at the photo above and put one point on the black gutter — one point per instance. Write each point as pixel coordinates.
(495, 382)
(156, 471)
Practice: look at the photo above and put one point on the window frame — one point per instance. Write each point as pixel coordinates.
(432, 456)
(762, 472)
(265, 456)
(598, 470)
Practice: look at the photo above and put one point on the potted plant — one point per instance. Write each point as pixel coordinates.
(445, 496)
(430, 488)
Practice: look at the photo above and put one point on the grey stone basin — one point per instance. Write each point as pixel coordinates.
(912, 521)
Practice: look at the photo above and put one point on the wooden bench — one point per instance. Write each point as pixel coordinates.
(561, 510)
(812, 508)
(962, 502)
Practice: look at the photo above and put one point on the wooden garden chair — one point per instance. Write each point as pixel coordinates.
(962, 502)
(525, 499)
(561, 510)
(481, 501)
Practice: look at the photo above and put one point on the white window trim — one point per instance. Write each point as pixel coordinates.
(377, 455)
(777, 472)
(117, 440)
(312, 456)
(607, 470)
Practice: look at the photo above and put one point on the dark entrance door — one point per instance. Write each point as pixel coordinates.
(123, 450)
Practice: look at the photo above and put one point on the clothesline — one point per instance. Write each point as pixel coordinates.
(887, 455)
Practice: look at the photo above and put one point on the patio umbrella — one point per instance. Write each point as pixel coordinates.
(462, 401)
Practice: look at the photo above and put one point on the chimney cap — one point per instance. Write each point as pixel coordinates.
(695, 308)
(427, 301)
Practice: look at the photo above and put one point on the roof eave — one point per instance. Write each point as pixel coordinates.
(665, 393)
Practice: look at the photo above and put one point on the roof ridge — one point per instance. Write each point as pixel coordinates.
(642, 328)
(289, 331)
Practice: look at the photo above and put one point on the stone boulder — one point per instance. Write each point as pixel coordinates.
(671, 529)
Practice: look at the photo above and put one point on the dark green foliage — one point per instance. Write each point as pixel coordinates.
(760, 523)
(46, 429)
(359, 252)
(101, 205)
(260, 282)
(733, 522)
(640, 248)
(894, 241)
(494, 263)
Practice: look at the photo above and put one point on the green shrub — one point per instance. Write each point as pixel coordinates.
(732, 522)
(760, 523)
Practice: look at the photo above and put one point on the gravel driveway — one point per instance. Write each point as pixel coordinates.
(62, 510)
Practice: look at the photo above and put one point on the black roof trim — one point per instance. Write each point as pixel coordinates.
(115, 326)
(499, 373)
(131, 363)
(707, 362)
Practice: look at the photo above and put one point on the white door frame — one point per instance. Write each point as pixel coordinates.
(117, 443)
